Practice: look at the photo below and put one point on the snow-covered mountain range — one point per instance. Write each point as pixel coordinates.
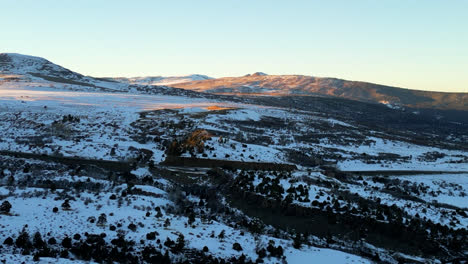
(160, 80)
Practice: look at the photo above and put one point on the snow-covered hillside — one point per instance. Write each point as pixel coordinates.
(24, 69)
(15, 63)
(160, 80)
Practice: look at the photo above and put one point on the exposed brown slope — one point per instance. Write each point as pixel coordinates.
(275, 85)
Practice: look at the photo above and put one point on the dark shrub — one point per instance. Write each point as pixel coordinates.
(132, 227)
(66, 242)
(8, 241)
(23, 240)
(52, 241)
(37, 240)
(237, 247)
(5, 207)
(151, 236)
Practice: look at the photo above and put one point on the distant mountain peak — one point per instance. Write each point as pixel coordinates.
(256, 74)
(259, 74)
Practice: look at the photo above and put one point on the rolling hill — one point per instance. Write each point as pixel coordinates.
(300, 85)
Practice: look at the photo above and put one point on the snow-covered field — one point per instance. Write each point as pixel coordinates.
(414, 152)
(54, 98)
(424, 208)
(444, 188)
(104, 119)
(18, 258)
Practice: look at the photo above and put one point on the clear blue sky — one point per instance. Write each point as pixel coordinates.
(415, 44)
